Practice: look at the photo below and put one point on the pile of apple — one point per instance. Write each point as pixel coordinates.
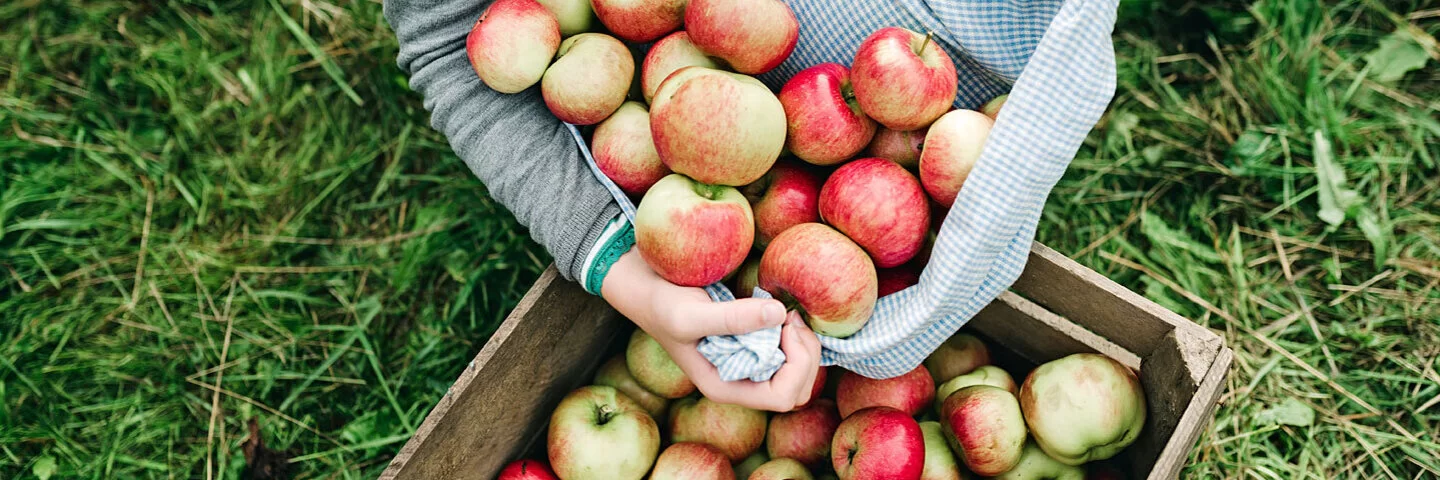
(837, 183)
(956, 416)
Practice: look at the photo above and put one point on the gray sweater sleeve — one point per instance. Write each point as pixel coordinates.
(525, 157)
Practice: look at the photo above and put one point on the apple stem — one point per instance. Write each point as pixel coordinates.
(604, 414)
(791, 304)
(925, 43)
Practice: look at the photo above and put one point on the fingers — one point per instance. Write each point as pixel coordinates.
(703, 319)
(788, 388)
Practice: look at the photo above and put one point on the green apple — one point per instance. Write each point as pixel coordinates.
(749, 464)
(599, 433)
(985, 375)
(614, 373)
(1035, 464)
(781, 469)
(939, 460)
(575, 16)
(959, 355)
(1083, 408)
(653, 368)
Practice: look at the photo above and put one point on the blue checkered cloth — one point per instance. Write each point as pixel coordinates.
(1056, 59)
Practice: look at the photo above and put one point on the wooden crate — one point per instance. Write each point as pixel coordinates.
(559, 334)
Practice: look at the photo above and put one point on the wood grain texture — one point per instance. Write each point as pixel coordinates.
(1198, 415)
(1039, 335)
(1172, 375)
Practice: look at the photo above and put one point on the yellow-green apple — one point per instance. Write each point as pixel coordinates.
(1083, 408)
(747, 278)
(1036, 465)
(939, 460)
(624, 151)
(512, 44)
(589, 79)
(984, 375)
(825, 124)
(788, 195)
(598, 432)
(903, 79)
(575, 16)
(820, 273)
(614, 373)
(992, 108)
(902, 147)
(895, 279)
(652, 367)
(909, 393)
(959, 355)
(734, 430)
(880, 206)
(952, 146)
(692, 461)
(753, 36)
(804, 434)
(878, 443)
(749, 464)
(984, 427)
(717, 127)
(667, 55)
(640, 21)
(782, 469)
(527, 470)
(691, 233)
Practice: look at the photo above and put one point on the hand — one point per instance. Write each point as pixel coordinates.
(678, 317)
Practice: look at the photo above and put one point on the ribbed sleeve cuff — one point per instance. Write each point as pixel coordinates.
(616, 239)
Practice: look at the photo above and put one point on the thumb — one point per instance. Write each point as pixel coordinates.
(735, 317)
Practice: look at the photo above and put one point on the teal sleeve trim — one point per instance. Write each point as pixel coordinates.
(612, 247)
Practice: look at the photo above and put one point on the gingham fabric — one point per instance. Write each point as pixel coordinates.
(1056, 59)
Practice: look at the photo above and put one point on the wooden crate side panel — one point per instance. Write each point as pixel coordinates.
(1197, 417)
(505, 395)
(1172, 375)
(1040, 335)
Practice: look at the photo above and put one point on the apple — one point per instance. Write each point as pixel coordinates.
(903, 79)
(512, 43)
(614, 373)
(692, 461)
(753, 36)
(878, 443)
(667, 55)
(652, 367)
(818, 388)
(984, 375)
(985, 428)
(992, 108)
(748, 466)
(747, 278)
(624, 151)
(782, 469)
(527, 470)
(952, 146)
(575, 16)
(786, 196)
(640, 21)
(734, 430)
(1036, 465)
(1083, 408)
(693, 234)
(902, 147)
(717, 127)
(589, 79)
(825, 124)
(822, 274)
(939, 460)
(804, 434)
(895, 279)
(959, 355)
(880, 206)
(909, 393)
(598, 432)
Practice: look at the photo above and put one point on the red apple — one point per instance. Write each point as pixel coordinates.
(782, 469)
(903, 79)
(985, 428)
(624, 151)
(512, 43)
(527, 470)
(826, 277)
(804, 434)
(693, 234)
(878, 443)
(1036, 465)
(717, 127)
(575, 16)
(952, 146)
(750, 464)
(652, 367)
(1083, 408)
(896, 279)
(902, 147)
(596, 432)
(992, 107)
(640, 21)
(589, 79)
(734, 430)
(692, 461)
(614, 373)
(939, 460)
(959, 355)
(747, 278)
(753, 36)
(788, 195)
(825, 123)
(818, 387)
(667, 55)
(880, 206)
(985, 375)
(909, 393)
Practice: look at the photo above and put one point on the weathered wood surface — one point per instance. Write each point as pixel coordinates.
(1039, 335)
(1197, 417)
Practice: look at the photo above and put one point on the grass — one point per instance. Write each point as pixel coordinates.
(213, 213)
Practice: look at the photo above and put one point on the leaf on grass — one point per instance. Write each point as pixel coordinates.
(1158, 232)
(1290, 412)
(1397, 55)
(1335, 198)
(43, 468)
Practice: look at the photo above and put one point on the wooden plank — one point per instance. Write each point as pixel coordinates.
(1172, 375)
(1197, 417)
(547, 345)
(1040, 335)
